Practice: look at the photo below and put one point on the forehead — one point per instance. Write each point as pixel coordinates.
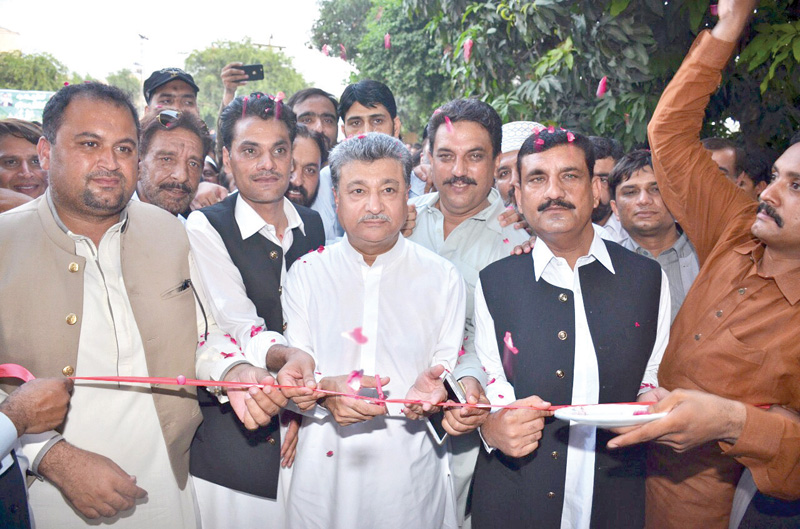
(306, 149)
(644, 176)
(174, 87)
(789, 161)
(315, 104)
(175, 140)
(262, 131)
(466, 135)
(508, 158)
(10, 144)
(555, 159)
(359, 110)
(603, 165)
(86, 115)
(372, 173)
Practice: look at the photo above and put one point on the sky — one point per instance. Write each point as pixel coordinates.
(100, 37)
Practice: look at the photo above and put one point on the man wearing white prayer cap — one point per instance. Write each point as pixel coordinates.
(505, 174)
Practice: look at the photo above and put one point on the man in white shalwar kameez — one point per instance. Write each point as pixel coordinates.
(379, 303)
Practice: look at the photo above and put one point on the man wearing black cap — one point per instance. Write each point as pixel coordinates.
(170, 88)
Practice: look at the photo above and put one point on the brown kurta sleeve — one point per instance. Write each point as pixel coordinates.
(769, 446)
(696, 192)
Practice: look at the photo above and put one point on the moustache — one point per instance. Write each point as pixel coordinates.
(299, 189)
(371, 216)
(176, 185)
(262, 174)
(460, 180)
(105, 174)
(555, 202)
(769, 210)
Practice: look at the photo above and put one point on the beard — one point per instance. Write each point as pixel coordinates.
(306, 199)
(601, 212)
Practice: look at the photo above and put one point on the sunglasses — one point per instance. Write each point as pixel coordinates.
(168, 117)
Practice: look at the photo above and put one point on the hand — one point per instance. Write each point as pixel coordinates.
(232, 78)
(346, 410)
(411, 221)
(289, 445)
(733, 16)
(38, 405)
(428, 388)
(298, 370)
(525, 247)
(653, 395)
(514, 432)
(694, 418)
(208, 194)
(509, 216)
(458, 421)
(254, 406)
(92, 483)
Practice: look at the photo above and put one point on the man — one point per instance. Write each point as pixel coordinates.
(170, 88)
(211, 170)
(733, 344)
(639, 208)
(514, 134)
(756, 172)
(316, 109)
(460, 223)
(171, 151)
(607, 151)
(120, 301)
(35, 407)
(400, 476)
(368, 106)
(21, 176)
(309, 154)
(244, 245)
(580, 336)
(727, 155)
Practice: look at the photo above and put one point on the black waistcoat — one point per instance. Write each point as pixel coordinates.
(223, 450)
(13, 498)
(622, 312)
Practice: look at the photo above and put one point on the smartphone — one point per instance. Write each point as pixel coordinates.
(255, 72)
(456, 393)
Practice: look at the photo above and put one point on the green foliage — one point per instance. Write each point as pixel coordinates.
(206, 65)
(126, 81)
(542, 60)
(40, 71)
(411, 67)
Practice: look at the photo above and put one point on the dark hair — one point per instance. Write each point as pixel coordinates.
(546, 139)
(469, 110)
(369, 148)
(607, 148)
(318, 137)
(719, 144)
(305, 93)
(370, 94)
(22, 129)
(256, 104)
(626, 166)
(53, 113)
(186, 120)
(795, 139)
(757, 164)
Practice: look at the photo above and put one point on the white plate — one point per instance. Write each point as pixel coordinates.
(607, 415)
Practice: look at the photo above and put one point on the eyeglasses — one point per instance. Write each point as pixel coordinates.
(168, 117)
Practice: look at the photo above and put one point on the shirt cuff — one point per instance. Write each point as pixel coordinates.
(760, 438)
(8, 435)
(256, 349)
(36, 446)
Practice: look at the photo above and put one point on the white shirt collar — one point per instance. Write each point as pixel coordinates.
(543, 256)
(250, 222)
(383, 259)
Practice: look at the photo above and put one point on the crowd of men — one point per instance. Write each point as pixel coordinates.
(313, 278)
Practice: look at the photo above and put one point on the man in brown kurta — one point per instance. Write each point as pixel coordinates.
(734, 344)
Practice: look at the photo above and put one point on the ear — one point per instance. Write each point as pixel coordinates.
(760, 187)
(596, 191)
(614, 208)
(344, 134)
(226, 160)
(43, 152)
(336, 198)
(517, 193)
(146, 109)
(397, 126)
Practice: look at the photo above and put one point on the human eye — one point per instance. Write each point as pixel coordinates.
(10, 162)
(89, 143)
(124, 149)
(35, 161)
(503, 173)
(189, 103)
(311, 171)
(476, 156)
(329, 121)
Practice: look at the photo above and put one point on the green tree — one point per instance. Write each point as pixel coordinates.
(543, 60)
(38, 71)
(205, 66)
(126, 81)
(411, 66)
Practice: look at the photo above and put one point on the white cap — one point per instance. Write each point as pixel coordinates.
(515, 134)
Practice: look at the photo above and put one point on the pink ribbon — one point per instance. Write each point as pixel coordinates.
(15, 371)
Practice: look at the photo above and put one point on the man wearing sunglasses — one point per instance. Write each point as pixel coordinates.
(172, 148)
(170, 88)
(244, 246)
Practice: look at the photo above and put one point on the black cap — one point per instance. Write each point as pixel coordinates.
(163, 76)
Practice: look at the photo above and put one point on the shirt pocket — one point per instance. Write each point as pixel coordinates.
(729, 367)
(183, 287)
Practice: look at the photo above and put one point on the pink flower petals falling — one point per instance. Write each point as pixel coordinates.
(343, 52)
(449, 124)
(279, 104)
(714, 10)
(570, 137)
(387, 41)
(468, 49)
(602, 87)
(354, 380)
(508, 356)
(509, 343)
(356, 336)
(326, 51)
(329, 453)
(255, 330)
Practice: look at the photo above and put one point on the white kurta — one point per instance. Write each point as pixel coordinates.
(387, 472)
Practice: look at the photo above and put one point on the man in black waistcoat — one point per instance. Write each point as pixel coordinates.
(243, 247)
(585, 321)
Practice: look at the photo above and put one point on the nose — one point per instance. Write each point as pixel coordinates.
(108, 159)
(26, 169)
(770, 195)
(265, 163)
(374, 204)
(554, 189)
(459, 167)
(644, 197)
(296, 176)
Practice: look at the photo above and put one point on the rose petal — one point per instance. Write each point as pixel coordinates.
(449, 124)
(330, 453)
(505, 240)
(468, 49)
(387, 41)
(509, 343)
(181, 380)
(343, 52)
(326, 50)
(354, 379)
(602, 87)
(355, 335)
(713, 8)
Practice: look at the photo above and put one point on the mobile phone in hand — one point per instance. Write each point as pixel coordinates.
(255, 72)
